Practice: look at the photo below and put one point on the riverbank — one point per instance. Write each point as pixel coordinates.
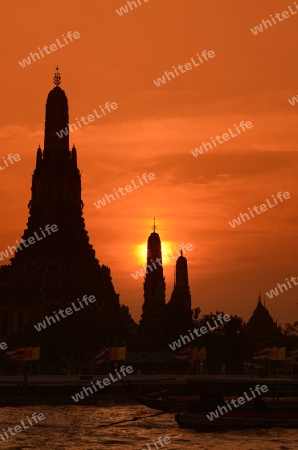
(51, 389)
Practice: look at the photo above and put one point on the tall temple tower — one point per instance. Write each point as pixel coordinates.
(179, 313)
(56, 195)
(152, 324)
(61, 267)
(181, 297)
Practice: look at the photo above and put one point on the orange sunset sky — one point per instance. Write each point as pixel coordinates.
(154, 130)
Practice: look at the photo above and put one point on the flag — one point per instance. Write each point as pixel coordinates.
(113, 353)
(15, 354)
(121, 353)
(35, 353)
(202, 353)
(292, 358)
(197, 354)
(183, 354)
(273, 353)
(261, 355)
(27, 354)
(102, 356)
(194, 354)
(278, 355)
(281, 354)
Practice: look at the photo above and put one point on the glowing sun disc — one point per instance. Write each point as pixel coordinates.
(166, 248)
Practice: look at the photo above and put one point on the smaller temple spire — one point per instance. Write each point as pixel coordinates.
(154, 226)
(38, 155)
(74, 155)
(57, 77)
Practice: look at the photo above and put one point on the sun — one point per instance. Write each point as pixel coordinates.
(166, 248)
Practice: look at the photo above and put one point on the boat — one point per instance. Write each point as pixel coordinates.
(240, 419)
(166, 402)
(216, 413)
(200, 394)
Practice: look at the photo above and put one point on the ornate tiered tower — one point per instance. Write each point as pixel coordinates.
(58, 269)
(56, 195)
(152, 324)
(179, 313)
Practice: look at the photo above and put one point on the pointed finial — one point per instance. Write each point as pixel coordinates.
(154, 226)
(57, 77)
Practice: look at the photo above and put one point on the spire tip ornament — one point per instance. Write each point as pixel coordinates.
(57, 77)
(154, 226)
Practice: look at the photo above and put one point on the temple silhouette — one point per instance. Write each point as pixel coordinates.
(61, 267)
(56, 270)
(161, 323)
(261, 329)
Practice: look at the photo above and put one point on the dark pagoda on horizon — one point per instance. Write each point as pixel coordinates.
(261, 329)
(60, 268)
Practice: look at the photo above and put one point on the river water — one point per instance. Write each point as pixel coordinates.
(78, 427)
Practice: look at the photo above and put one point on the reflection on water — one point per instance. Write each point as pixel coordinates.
(79, 427)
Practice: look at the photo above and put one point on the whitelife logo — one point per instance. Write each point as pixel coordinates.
(262, 207)
(186, 339)
(285, 15)
(128, 188)
(53, 48)
(293, 100)
(108, 106)
(225, 137)
(68, 311)
(128, 370)
(166, 440)
(10, 157)
(187, 66)
(240, 401)
(124, 9)
(144, 270)
(274, 292)
(31, 240)
(19, 429)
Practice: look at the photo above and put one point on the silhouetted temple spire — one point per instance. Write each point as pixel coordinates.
(51, 269)
(154, 248)
(179, 318)
(38, 155)
(56, 193)
(56, 147)
(154, 284)
(74, 156)
(151, 332)
(181, 279)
